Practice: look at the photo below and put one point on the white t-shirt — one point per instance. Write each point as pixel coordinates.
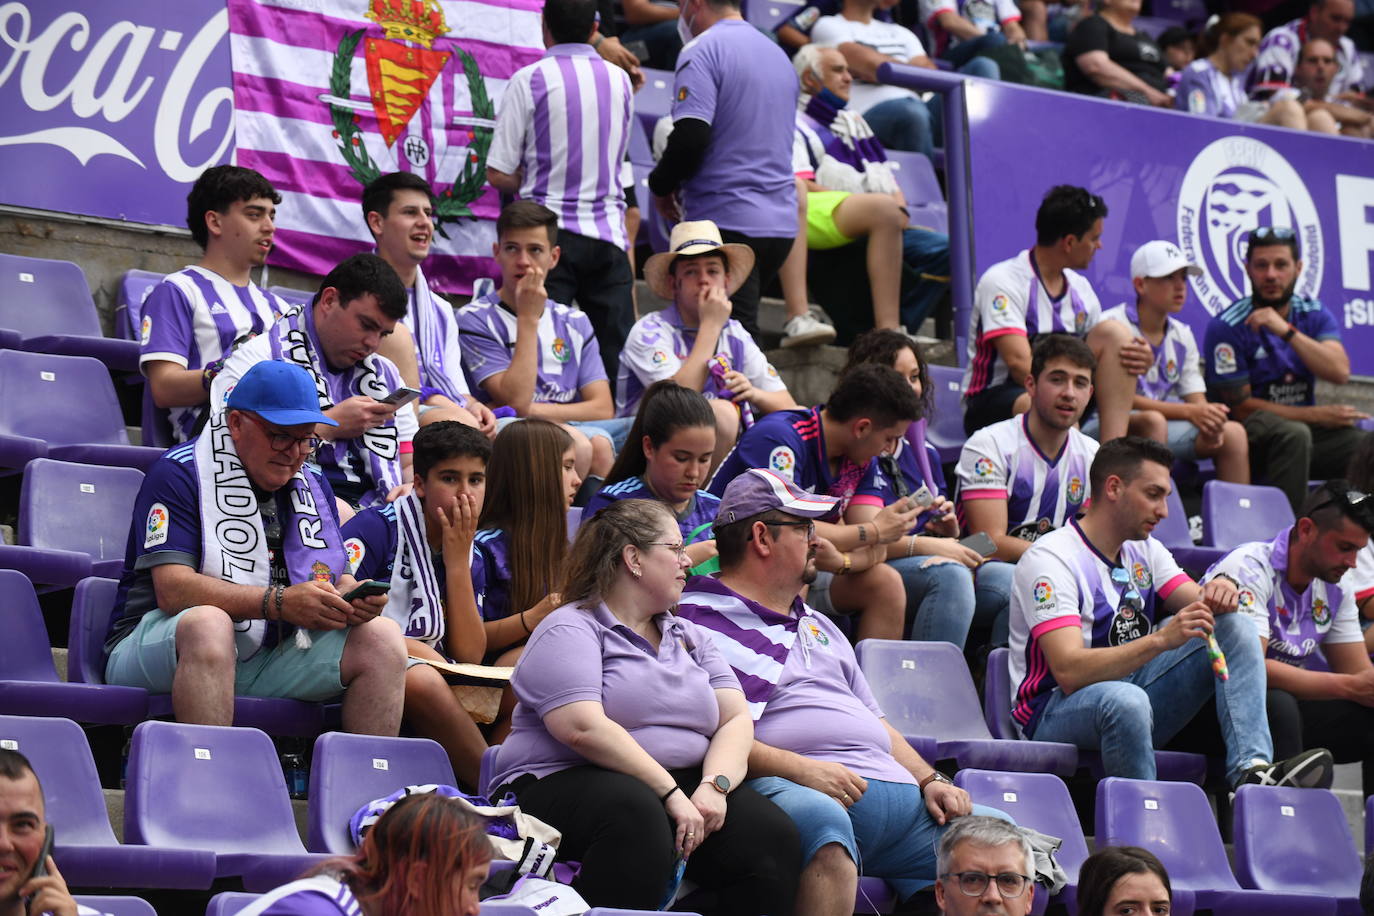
(1177, 369)
(1011, 299)
(886, 38)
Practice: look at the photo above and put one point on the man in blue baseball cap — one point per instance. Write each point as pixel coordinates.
(235, 572)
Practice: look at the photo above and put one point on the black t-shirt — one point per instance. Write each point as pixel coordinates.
(1136, 53)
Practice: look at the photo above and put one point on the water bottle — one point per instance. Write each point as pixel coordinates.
(294, 768)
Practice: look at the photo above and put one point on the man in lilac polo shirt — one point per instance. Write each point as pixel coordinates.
(823, 752)
(730, 152)
(560, 141)
(1296, 590)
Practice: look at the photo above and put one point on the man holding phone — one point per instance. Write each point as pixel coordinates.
(235, 572)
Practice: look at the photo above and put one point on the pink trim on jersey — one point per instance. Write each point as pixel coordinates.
(985, 357)
(1168, 588)
(868, 499)
(809, 175)
(1362, 595)
(1037, 667)
(1058, 623)
(983, 494)
(1011, 19)
(1002, 332)
(406, 448)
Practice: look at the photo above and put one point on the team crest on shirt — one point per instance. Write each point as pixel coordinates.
(1171, 369)
(159, 521)
(1042, 591)
(561, 351)
(982, 467)
(658, 358)
(816, 634)
(772, 373)
(1321, 612)
(1140, 573)
(682, 94)
(145, 330)
(782, 460)
(1000, 303)
(320, 572)
(1080, 322)
(1075, 493)
(1224, 356)
(355, 552)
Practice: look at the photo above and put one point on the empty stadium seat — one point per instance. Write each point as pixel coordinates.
(216, 788)
(134, 288)
(945, 430)
(1174, 821)
(229, 902)
(86, 849)
(767, 15)
(1172, 766)
(29, 685)
(348, 771)
(921, 188)
(1296, 840)
(62, 407)
(48, 305)
(73, 521)
(1235, 513)
(92, 607)
(924, 688)
(1173, 532)
(117, 906)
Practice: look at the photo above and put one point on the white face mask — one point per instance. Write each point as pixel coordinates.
(684, 29)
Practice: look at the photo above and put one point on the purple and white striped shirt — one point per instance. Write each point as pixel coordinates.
(569, 357)
(566, 120)
(194, 317)
(1177, 369)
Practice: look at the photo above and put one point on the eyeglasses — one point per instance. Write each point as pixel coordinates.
(974, 883)
(1349, 500)
(679, 548)
(284, 442)
(1273, 234)
(809, 525)
(1129, 598)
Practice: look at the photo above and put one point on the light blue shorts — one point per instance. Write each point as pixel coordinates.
(615, 430)
(147, 658)
(1182, 436)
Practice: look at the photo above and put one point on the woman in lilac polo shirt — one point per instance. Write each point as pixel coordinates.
(631, 735)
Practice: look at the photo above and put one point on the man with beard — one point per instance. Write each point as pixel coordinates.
(822, 752)
(1263, 357)
(1093, 661)
(1315, 74)
(1296, 590)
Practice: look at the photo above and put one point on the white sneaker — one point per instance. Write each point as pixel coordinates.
(806, 331)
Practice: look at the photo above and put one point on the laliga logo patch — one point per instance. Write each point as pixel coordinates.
(1224, 357)
(355, 551)
(659, 358)
(145, 330)
(1233, 186)
(1043, 591)
(1246, 598)
(983, 467)
(1075, 493)
(782, 460)
(1000, 303)
(159, 520)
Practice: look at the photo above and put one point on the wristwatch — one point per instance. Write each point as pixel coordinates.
(936, 776)
(721, 784)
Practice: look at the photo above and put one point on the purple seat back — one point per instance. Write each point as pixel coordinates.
(61, 756)
(1172, 530)
(946, 428)
(1037, 800)
(208, 787)
(1234, 513)
(488, 767)
(292, 296)
(82, 507)
(25, 652)
(925, 201)
(997, 695)
(229, 902)
(63, 400)
(924, 688)
(118, 906)
(574, 521)
(134, 288)
(1171, 819)
(40, 296)
(1295, 840)
(92, 606)
(348, 771)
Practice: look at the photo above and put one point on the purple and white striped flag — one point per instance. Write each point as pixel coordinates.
(328, 94)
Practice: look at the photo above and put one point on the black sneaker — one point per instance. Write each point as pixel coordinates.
(1312, 769)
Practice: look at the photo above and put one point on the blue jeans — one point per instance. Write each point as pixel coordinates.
(1127, 718)
(927, 253)
(888, 832)
(970, 48)
(947, 597)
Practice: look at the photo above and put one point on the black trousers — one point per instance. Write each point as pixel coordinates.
(1343, 727)
(769, 253)
(596, 275)
(617, 828)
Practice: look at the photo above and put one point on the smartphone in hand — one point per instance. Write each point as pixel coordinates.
(401, 396)
(367, 590)
(981, 543)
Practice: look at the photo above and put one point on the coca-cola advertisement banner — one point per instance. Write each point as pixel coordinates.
(1201, 182)
(112, 109)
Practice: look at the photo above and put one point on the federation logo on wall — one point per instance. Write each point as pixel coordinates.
(1235, 185)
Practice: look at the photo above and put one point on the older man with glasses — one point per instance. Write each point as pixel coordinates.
(1263, 357)
(986, 868)
(235, 578)
(1295, 589)
(1095, 662)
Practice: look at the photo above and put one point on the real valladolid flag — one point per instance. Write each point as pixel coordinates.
(328, 94)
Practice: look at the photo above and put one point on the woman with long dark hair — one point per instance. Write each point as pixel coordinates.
(1123, 881)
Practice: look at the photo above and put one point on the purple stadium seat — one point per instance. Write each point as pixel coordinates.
(767, 15)
(653, 231)
(292, 296)
(62, 407)
(348, 771)
(574, 521)
(71, 511)
(1173, 533)
(49, 305)
(946, 428)
(1172, 766)
(608, 911)
(924, 199)
(1296, 840)
(30, 686)
(924, 688)
(1369, 824)
(87, 852)
(1234, 513)
(134, 288)
(1153, 26)
(116, 906)
(222, 789)
(229, 902)
(652, 102)
(1174, 821)
(1191, 12)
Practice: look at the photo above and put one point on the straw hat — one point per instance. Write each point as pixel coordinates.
(692, 238)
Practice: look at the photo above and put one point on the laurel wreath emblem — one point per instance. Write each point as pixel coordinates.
(455, 203)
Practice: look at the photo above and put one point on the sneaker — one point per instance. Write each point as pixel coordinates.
(806, 331)
(1312, 769)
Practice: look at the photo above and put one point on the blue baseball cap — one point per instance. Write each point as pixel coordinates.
(279, 392)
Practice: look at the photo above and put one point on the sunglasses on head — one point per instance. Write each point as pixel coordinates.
(1351, 501)
(1273, 234)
